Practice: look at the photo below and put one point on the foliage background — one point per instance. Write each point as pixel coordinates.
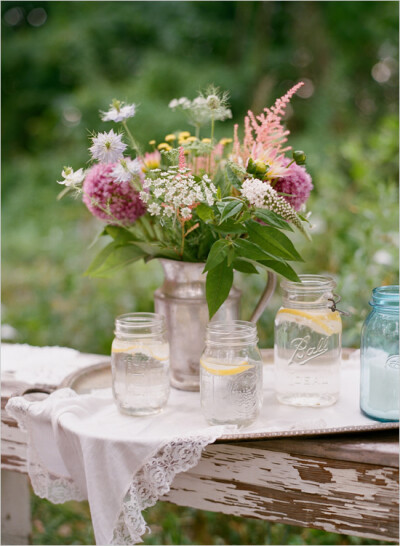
(63, 61)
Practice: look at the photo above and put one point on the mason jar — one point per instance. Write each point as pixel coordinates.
(307, 349)
(140, 363)
(231, 375)
(380, 363)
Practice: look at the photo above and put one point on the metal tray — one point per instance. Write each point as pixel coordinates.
(98, 376)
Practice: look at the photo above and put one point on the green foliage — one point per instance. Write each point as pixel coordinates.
(55, 78)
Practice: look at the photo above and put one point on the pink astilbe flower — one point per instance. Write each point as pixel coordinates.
(265, 136)
(114, 202)
(296, 182)
(182, 162)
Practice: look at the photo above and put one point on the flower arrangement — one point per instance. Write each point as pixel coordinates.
(226, 203)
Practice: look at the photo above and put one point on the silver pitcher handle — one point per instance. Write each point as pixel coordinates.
(265, 297)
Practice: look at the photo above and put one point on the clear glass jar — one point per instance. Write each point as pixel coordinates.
(380, 362)
(308, 343)
(140, 363)
(231, 375)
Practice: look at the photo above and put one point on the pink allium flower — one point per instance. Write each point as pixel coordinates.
(103, 193)
(297, 182)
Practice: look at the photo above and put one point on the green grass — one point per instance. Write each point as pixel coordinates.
(70, 523)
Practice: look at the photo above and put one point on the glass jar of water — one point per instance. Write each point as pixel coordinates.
(140, 363)
(231, 389)
(380, 362)
(307, 352)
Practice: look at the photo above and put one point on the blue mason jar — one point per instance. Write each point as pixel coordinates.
(380, 362)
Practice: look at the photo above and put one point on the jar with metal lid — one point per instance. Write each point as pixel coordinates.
(307, 349)
(140, 363)
(380, 361)
(231, 374)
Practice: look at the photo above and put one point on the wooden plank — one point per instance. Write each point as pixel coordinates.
(380, 448)
(337, 496)
(16, 509)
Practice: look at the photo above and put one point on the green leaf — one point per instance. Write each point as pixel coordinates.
(273, 241)
(230, 209)
(233, 178)
(112, 258)
(218, 284)
(120, 234)
(156, 250)
(282, 268)
(251, 251)
(244, 266)
(218, 253)
(222, 184)
(230, 226)
(272, 219)
(204, 212)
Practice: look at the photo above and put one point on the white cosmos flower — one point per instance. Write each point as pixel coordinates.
(119, 112)
(72, 178)
(107, 147)
(126, 169)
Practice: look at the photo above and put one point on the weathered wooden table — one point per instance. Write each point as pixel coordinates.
(340, 483)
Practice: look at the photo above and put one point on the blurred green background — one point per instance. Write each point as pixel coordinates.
(63, 61)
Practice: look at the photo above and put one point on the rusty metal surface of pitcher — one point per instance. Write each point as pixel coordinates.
(182, 300)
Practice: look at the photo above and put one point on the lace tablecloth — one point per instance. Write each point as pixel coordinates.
(81, 447)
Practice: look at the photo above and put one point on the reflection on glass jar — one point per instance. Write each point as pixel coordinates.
(231, 374)
(380, 362)
(307, 343)
(140, 363)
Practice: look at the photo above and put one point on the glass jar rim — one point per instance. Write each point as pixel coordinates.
(140, 324)
(233, 332)
(385, 296)
(309, 283)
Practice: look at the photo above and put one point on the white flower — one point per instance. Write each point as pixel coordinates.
(186, 213)
(107, 147)
(144, 196)
(154, 209)
(183, 102)
(119, 112)
(126, 169)
(72, 178)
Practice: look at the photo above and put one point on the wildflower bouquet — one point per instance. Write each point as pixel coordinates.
(226, 203)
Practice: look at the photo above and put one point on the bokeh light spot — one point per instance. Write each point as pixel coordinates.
(37, 17)
(381, 72)
(13, 16)
(307, 90)
(71, 116)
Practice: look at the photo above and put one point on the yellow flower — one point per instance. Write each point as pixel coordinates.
(206, 140)
(190, 139)
(225, 141)
(183, 135)
(164, 146)
(170, 138)
(152, 142)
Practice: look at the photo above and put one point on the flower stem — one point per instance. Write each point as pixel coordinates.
(212, 129)
(134, 144)
(183, 238)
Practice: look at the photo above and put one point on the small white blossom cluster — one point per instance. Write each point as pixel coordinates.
(204, 108)
(176, 192)
(263, 196)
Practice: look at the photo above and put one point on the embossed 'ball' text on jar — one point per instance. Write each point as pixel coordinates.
(307, 353)
(380, 361)
(231, 374)
(140, 363)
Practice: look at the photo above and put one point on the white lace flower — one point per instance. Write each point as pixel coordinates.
(72, 178)
(144, 196)
(126, 169)
(119, 112)
(154, 209)
(107, 147)
(186, 213)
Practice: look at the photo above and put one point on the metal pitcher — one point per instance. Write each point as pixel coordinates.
(182, 300)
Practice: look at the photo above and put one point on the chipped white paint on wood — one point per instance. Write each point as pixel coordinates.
(337, 496)
(15, 508)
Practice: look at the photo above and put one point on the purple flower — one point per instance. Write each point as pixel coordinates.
(297, 182)
(110, 200)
